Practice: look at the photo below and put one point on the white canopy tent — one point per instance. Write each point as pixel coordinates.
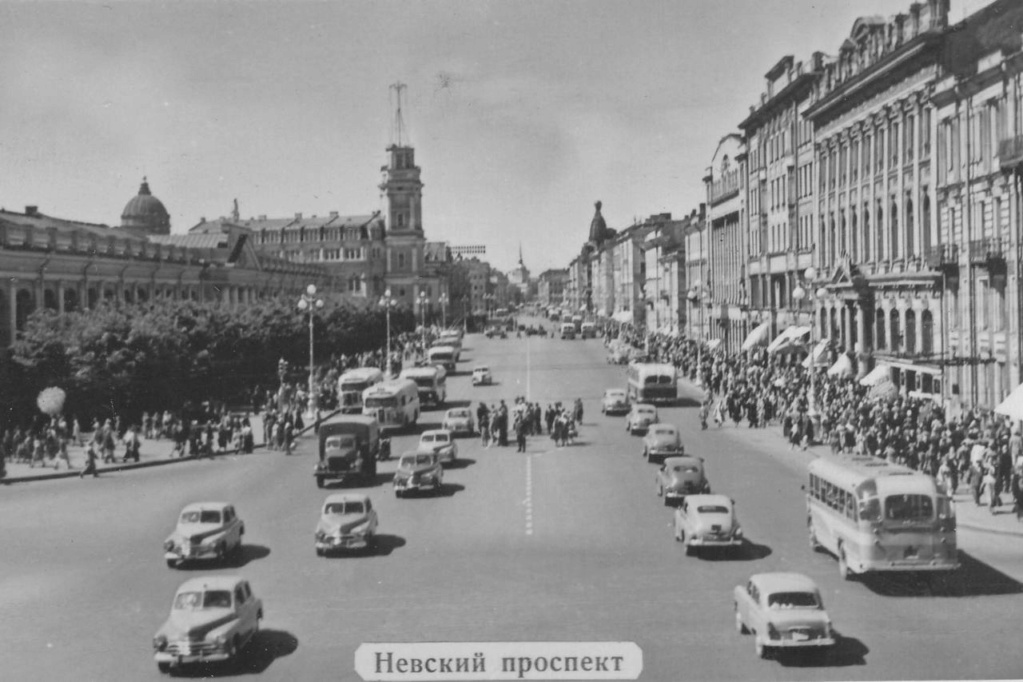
(789, 340)
(842, 367)
(757, 337)
(818, 354)
(1012, 406)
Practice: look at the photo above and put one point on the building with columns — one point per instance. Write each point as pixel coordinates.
(551, 288)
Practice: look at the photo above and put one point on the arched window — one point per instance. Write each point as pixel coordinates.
(926, 332)
(894, 231)
(910, 343)
(880, 338)
(893, 325)
(910, 229)
(879, 229)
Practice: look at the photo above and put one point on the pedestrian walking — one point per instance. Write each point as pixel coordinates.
(90, 463)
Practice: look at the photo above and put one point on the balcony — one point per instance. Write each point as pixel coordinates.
(986, 249)
(1010, 152)
(942, 256)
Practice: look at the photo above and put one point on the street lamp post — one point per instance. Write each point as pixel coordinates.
(422, 313)
(803, 291)
(388, 302)
(443, 311)
(699, 295)
(308, 303)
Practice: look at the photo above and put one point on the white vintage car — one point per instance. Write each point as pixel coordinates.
(205, 531)
(212, 619)
(707, 521)
(439, 442)
(784, 611)
(481, 376)
(347, 521)
(459, 420)
(640, 417)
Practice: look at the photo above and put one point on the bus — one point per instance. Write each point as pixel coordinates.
(445, 356)
(875, 516)
(394, 403)
(652, 383)
(432, 383)
(352, 384)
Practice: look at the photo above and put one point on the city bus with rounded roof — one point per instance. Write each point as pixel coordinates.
(394, 403)
(651, 383)
(431, 381)
(876, 516)
(352, 384)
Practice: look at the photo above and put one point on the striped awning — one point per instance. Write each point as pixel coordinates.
(757, 337)
(790, 340)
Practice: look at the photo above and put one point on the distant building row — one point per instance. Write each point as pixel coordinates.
(894, 173)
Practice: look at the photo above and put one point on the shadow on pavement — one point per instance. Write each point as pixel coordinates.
(384, 544)
(452, 404)
(686, 402)
(461, 463)
(247, 553)
(353, 482)
(846, 652)
(973, 579)
(748, 551)
(265, 647)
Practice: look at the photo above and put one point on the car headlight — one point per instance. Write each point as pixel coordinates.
(320, 535)
(160, 642)
(220, 640)
(737, 532)
(168, 545)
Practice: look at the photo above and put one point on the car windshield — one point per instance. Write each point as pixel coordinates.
(381, 402)
(339, 508)
(203, 516)
(458, 414)
(427, 438)
(712, 509)
(908, 508)
(416, 460)
(615, 394)
(645, 410)
(793, 600)
(441, 438)
(685, 469)
(481, 370)
(664, 432)
(340, 442)
(210, 599)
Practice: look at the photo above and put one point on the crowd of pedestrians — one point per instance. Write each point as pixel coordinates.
(977, 448)
(528, 419)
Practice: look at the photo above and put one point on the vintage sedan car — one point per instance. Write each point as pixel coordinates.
(418, 472)
(347, 521)
(707, 521)
(640, 417)
(661, 441)
(784, 611)
(212, 619)
(205, 531)
(481, 376)
(499, 332)
(681, 476)
(439, 442)
(615, 401)
(459, 420)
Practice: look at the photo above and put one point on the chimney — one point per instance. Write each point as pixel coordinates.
(298, 216)
(32, 210)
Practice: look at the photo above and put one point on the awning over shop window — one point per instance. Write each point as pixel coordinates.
(713, 344)
(622, 316)
(757, 337)
(790, 340)
(842, 367)
(880, 382)
(1012, 406)
(818, 354)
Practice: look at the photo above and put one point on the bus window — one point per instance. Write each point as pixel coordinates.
(908, 508)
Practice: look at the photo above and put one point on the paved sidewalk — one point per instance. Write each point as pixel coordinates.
(968, 514)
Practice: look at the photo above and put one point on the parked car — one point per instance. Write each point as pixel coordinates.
(661, 441)
(499, 332)
(784, 611)
(212, 618)
(459, 420)
(615, 401)
(707, 521)
(417, 472)
(588, 330)
(439, 442)
(205, 531)
(481, 376)
(347, 521)
(681, 476)
(640, 417)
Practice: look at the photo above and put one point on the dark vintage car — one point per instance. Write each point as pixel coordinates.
(662, 441)
(418, 472)
(681, 476)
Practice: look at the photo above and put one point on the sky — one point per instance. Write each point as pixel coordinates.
(523, 113)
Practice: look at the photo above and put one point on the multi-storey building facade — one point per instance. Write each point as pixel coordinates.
(725, 184)
(664, 253)
(628, 273)
(779, 193)
(551, 288)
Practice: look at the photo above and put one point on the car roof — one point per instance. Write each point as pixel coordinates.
(210, 582)
(457, 410)
(614, 391)
(436, 432)
(644, 407)
(335, 498)
(205, 506)
(723, 500)
(682, 459)
(658, 428)
(784, 582)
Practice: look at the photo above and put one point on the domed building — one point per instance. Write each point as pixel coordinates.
(145, 215)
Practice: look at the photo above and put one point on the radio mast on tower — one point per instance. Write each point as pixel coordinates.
(399, 136)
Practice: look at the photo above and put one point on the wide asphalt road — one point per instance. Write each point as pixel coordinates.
(556, 544)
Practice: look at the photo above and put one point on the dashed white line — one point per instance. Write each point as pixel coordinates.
(529, 495)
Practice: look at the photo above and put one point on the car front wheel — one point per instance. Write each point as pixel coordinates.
(163, 666)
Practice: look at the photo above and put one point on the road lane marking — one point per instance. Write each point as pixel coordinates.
(529, 495)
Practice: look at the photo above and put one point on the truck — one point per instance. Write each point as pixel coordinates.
(350, 445)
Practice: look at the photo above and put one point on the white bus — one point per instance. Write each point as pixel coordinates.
(877, 516)
(445, 356)
(352, 384)
(432, 383)
(652, 383)
(394, 403)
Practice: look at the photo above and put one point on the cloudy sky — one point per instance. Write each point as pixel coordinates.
(523, 112)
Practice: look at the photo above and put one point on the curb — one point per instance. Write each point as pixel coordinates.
(988, 529)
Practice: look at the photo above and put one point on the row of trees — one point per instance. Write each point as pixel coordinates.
(166, 355)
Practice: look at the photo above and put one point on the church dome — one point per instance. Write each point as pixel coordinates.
(145, 214)
(598, 228)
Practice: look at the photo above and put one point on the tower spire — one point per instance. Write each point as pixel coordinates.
(399, 136)
(520, 253)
